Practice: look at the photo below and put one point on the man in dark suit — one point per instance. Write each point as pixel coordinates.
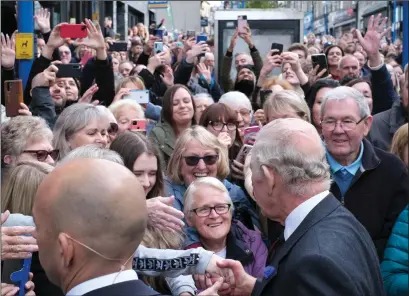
(88, 225)
(326, 251)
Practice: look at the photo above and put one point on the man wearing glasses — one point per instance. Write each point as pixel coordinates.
(371, 183)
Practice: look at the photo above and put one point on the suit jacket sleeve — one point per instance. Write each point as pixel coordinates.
(317, 275)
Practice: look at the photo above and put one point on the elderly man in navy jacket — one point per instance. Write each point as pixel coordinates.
(371, 183)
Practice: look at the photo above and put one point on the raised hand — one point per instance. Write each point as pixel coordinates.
(45, 78)
(42, 17)
(292, 59)
(121, 93)
(233, 41)
(246, 36)
(88, 95)
(24, 111)
(205, 71)
(376, 30)
(313, 76)
(225, 139)
(8, 51)
(162, 215)
(155, 61)
(95, 38)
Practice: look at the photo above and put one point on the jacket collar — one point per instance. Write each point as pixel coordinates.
(397, 116)
(322, 210)
(235, 247)
(369, 158)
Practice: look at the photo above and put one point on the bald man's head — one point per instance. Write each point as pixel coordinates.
(96, 202)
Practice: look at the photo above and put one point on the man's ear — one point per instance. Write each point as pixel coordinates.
(8, 159)
(66, 249)
(269, 177)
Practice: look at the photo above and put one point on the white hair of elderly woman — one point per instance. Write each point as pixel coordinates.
(236, 100)
(92, 151)
(201, 96)
(212, 182)
(343, 93)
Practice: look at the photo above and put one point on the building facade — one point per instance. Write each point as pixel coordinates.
(125, 14)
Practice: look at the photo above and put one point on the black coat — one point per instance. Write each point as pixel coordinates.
(330, 253)
(385, 124)
(378, 193)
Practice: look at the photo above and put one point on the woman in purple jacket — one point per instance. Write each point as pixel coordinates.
(208, 209)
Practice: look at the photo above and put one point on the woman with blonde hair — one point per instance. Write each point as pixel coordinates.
(399, 145)
(197, 154)
(20, 186)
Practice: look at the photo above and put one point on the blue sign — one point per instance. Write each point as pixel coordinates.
(308, 22)
(157, 4)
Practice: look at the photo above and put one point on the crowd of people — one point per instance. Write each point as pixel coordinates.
(295, 184)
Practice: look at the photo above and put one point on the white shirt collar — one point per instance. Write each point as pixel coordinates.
(295, 218)
(102, 281)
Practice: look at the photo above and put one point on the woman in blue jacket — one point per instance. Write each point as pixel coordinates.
(394, 266)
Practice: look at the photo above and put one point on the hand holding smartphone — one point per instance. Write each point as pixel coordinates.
(321, 60)
(244, 151)
(250, 134)
(13, 91)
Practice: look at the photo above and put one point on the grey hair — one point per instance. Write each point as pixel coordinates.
(208, 54)
(120, 105)
(20, 131)
(189, 196)
(235, 99)
(71, 120)
(92, 151)
(203, 96)
(246, 54)
(345, 57)
(277, 147)
(346, 92)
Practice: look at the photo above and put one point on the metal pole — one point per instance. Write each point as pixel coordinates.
(394, 21)
(25, 24)
(405, 42)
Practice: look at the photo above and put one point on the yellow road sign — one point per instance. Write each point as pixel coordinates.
(24, 46)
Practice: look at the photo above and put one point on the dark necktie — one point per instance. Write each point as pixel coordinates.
(275, 246)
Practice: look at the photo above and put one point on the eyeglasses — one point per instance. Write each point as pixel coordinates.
(219, 126)
(347, 124)
(43, 154)
(208, 159)
(113, 129)
(205, 211)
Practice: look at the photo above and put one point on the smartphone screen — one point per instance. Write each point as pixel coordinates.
(201, 38)
(139, 96)
(158, 47)
(241, 23)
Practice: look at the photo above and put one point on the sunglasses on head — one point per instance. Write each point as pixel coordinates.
(43, 154)
(194, 160)
(113, 128)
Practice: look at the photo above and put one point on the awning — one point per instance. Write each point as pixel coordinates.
(344, 23)
(375, 7)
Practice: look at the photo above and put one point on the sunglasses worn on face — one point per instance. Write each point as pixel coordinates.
(113, 129)
(43, 154)
(194, 160)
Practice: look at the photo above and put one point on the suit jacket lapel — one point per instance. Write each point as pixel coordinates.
(323, 209)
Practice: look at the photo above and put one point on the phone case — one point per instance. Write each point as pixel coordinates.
(278, 46)
(241, 23)
(138, 124)
(321, 60)
(13, 91)
(118, 46)
(73, 31)
(69, 70)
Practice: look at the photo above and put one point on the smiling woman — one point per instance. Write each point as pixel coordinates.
(176, 116)
(209, 210)
(79, 125)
